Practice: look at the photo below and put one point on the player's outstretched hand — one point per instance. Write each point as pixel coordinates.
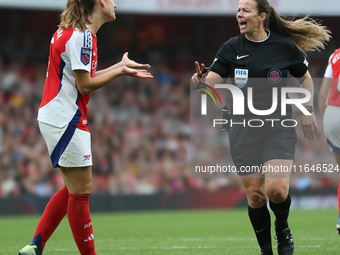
(132, 64)
(144, 74)
(309, 126)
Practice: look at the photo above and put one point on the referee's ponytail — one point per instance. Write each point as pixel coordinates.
(306, 33)
(76, 14)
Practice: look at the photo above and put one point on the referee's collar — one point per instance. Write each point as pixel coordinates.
(268, 35)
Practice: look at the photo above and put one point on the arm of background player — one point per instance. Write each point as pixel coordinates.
(325, 87)
(87, 84)
(308, 121)
(124, 62)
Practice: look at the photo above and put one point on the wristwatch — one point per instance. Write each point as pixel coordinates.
(309, 108)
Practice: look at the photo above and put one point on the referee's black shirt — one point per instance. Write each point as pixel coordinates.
(265, 64)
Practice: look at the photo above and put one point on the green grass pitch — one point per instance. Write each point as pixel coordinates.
(177, 232)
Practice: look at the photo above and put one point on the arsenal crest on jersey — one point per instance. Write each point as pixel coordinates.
(85, 56)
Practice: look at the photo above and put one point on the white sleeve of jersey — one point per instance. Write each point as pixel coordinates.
(79, 50)
(329, 70)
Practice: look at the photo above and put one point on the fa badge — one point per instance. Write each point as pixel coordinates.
(241, 77)
(85, 56)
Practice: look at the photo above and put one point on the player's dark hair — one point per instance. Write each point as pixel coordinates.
(306, 33)
(76, 14)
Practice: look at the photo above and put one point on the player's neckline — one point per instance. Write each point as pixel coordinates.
(268, 35)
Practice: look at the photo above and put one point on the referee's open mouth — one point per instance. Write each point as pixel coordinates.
(242, 24)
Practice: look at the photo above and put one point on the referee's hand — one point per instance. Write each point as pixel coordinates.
(199, 70)
(200, 74)
(309, 126)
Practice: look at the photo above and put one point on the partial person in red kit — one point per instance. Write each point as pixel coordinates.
(71, 78)
(329, 107)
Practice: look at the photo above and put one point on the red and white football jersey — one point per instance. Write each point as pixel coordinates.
(62, 103)
(333, 71)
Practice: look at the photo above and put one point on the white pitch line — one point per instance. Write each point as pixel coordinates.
(158, 248)
(201, 239)
(174, 239)
(309, 246)
(181, 248)
(62, 249)
(318, 238)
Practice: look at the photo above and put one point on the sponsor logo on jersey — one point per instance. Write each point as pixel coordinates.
(241, 77)
(87, 157)
(85, 56)
(274, 75)
(240, 57)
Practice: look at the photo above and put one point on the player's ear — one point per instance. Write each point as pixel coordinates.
(263, 16)
(101, 3)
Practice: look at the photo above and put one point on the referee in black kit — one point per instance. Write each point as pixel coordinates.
(268, 47)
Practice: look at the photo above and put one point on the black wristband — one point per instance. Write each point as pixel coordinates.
(309, 108)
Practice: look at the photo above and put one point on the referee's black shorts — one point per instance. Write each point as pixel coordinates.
(250, 147)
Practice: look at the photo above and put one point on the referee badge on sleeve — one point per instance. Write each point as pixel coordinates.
(241, 77)
(85, 56)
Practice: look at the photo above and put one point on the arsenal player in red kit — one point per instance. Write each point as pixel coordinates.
(71, 77)
(329, 107)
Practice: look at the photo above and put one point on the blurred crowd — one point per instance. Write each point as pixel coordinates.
(140, 128)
